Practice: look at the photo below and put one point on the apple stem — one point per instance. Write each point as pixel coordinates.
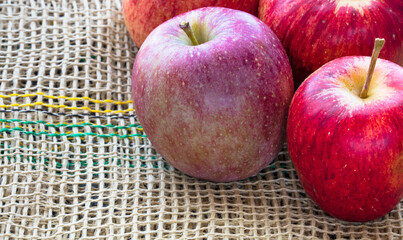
(188, 30)
(379, 42)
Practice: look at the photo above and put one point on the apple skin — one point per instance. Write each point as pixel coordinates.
(215, 111)
(142, 16)
(314, 32)
(348, 151)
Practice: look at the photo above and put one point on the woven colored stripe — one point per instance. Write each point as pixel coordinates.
(137, 126)
(80, 134)
(64, 106)
(83, 164)
(64, 97)
(112, 116)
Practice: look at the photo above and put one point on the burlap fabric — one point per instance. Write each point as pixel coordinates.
(76, 164)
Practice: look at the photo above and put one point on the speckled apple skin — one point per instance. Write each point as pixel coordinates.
(348, 152)
(216, 111)
(314, 32)
(142, 16)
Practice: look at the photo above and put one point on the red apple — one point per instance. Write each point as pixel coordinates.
(348, 150)
(314, 32)
(142, 16)
(216, 110)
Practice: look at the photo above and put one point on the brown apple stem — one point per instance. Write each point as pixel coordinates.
(188, 30)
(379, 42)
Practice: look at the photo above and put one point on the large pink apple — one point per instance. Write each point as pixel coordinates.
(142, 16)
(348, 150)
(314, 32)
(216, 110)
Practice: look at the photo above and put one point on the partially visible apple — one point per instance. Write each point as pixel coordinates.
(142, 16)
(314, 32)
(348, 150)
(216, 110)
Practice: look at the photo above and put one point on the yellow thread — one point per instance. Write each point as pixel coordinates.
(64, 97)
(64, 106)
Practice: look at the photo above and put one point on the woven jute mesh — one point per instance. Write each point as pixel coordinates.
(76, 164)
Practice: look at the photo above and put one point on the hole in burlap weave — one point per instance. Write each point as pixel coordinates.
(76, 164)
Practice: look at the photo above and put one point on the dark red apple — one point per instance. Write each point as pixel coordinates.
(348, 150)
(314, 32)
(142, 16)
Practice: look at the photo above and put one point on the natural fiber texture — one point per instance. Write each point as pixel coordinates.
(75, 162)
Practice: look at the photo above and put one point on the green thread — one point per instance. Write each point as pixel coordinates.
(70, 125)
(9, 130)
(71, 165)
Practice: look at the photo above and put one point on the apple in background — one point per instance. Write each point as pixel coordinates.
(348, 150)
(314, 32)
(142, 16)
(216, 110)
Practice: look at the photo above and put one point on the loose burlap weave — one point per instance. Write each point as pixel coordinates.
(76, 164)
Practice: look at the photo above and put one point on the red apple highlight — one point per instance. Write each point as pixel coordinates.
(142, 16)
(348, 150)
(314, 32)
(216, 110)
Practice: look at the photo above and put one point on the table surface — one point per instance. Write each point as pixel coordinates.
(76, 163)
